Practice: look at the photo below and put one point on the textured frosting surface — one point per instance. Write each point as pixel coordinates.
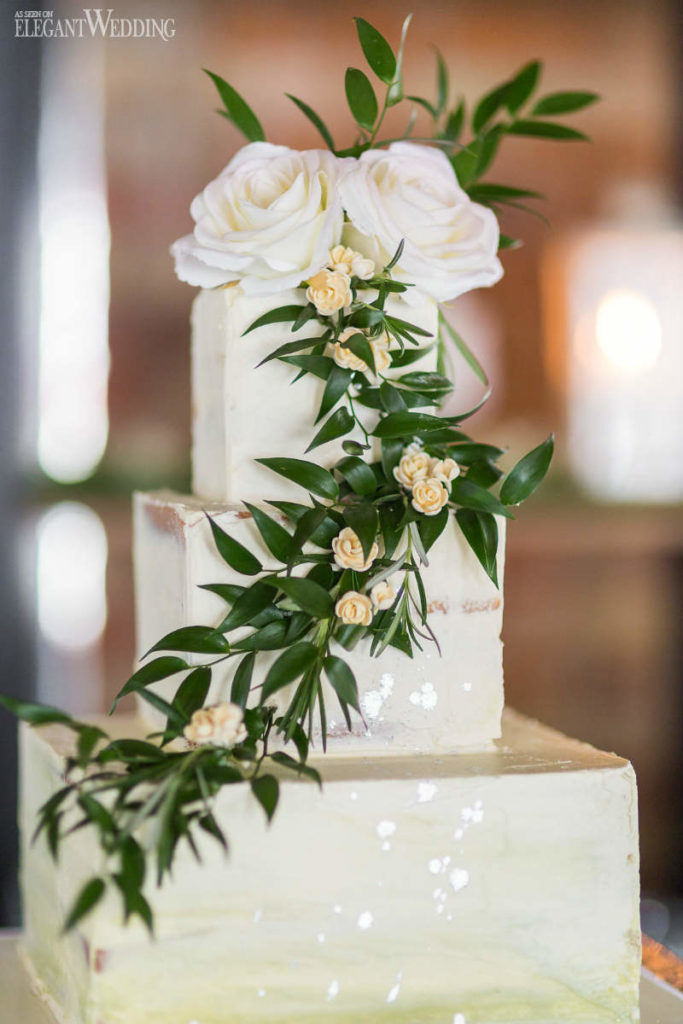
(242, 411)
(493, 888)
(431, 703)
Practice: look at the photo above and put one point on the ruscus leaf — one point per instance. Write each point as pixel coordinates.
(291, 664)
(238, 110)
(309, 475)
(361, 98)
(525, 477)
(267, 791)
(342, 681)
(480, 530)
(378, 53)
(338, 424)
(315, 119)
(274, 535)
(89, 896)
(563, 103)
(233, 553)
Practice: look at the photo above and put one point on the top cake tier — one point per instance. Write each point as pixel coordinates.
(242, 411)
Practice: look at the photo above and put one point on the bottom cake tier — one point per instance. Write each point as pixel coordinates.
(471, 888)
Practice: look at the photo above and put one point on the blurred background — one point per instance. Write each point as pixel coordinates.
(103, 143)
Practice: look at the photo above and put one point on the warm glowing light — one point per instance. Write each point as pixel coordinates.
(74, 267)
(72, 562)
(628, 330)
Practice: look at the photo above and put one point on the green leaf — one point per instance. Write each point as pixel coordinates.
(391, 398)
(280, 315)
(291, 347)
(307, 474)
(358, 474)
(241, 681)
(403, 326)
(89, 896)
(361, 347)
(395, 90)
(367, 316)
(431, 527)
(484, 473)
(420, 380)
(175, 719)
(233, 553)
(563, 103)
(546, 130)
(487, 149)
(315, 119)
(468, 452)
(525, 477)
(267, 791)
(378, 53)
(405, 424)
(338, 424)
(506, 242)
(228, 592)
(342, 680)
(464, 350)
(319, 366)
(480, 530)
(488, 106)
(160, 668)
(36, 714)
(291, 664)
(408, 356)
(421, 101)
(488, 192)
(441, 84)
(455, 122)
(245, 609)
(192, 692)
(522, 85)
(238, 110)
(193, 639)
(364, 521)
(337, 384)
(271, 637)
(354, 447)
(274, 535)
(466, 493)
(308, 595)
(396, 257)
(391, 455)
(287, 761)
(132, 872)
(361, 98)
(212, 828)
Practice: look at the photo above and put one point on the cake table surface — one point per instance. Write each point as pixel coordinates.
(660, 1003)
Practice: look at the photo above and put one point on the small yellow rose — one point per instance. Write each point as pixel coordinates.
(220, 724)
(342, 355)
(444, 470)
(414, 465)
(429, 496)
(348, 551)
(382, 595)
(329, 291)
(351, 262)
(354, 609)
(380, 350)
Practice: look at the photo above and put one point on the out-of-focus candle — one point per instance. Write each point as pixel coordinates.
(616, 346)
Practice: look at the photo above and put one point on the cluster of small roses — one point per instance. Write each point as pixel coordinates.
(428, 479)
(354, 608)
(219, 724)
(330, 289)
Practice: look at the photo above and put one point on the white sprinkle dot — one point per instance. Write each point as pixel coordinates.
(261, 992)
(385, 829)
(459, 1018)
(258, 914)
(459, 833)
(459, 877)
(337, 909)
(354, 796)
(386, 846)
(365, 920)
(320, 937)
(393, 992)
(467, 687)
(332, 990)
(435, 866)
(426, 791)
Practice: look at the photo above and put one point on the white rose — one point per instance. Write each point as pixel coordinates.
(410, 192)
(329, 291)
(343, 356)
(348, 551)
(268, 220)
(413, 465)
(354, 609)
(382, 595)
(444, 470)
(429, 496)
(220, 724)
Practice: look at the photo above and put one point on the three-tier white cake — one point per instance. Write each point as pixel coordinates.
(446, 873)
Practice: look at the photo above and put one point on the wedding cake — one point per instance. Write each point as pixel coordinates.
(330, 606)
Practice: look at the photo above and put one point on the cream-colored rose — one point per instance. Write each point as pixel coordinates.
(351, 262)
(354, 609)
(329, 291)
(220, 724)
(409, 191)
(414, 465)
(348, 551)
(268, 220)
(444, 470)
(429, 496)
(382, 595)
(343, 356)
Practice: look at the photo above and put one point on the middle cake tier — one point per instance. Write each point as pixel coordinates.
(442, 699)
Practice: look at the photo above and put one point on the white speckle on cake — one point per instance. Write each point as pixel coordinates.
(337, 909)
(386, 846)
(354, 795)
(320, 937)
(426, 791)
(467, 687)
(386, 829)
(365, 920)
(393, 993)
(425, 698)
(459, 833)
(459, 1018)
(435, 866)
(372, 700)
(459, 878)
(258, 914)
(332, 990)
(261, 993)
